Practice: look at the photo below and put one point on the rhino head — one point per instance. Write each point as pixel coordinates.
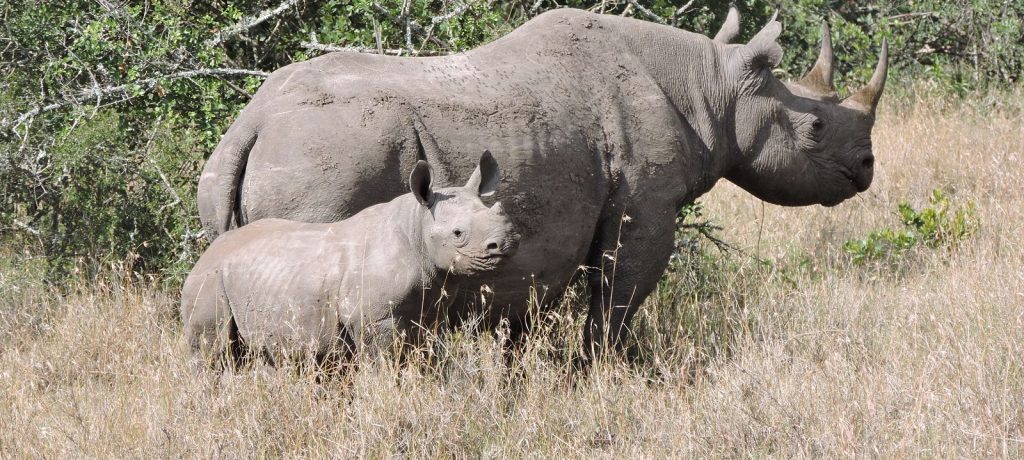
(798, 142)
(460, 233)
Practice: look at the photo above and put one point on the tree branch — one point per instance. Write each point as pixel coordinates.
(250, 22)
(315, 46)
(447, 17)
(147, 83)
(414, 27)
(650, 14)
(536, 6)
(674, 20)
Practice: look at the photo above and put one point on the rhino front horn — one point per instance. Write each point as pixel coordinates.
(866, 99)
(819, 78)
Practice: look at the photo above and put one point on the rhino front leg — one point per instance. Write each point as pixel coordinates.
(379, 339)
(628, 259)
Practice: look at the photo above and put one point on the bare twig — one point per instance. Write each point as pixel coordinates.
(674, 20)
(684, 8)
(96, 92)
(536, 6)
(238, 89)
(314, 46)
(414, 27)
(448, 16)
(160, 172)
(407, 16)
(650, 14)
(25, 227)
(912, 15)
(250, 22)
(707, 229)
(378, 36)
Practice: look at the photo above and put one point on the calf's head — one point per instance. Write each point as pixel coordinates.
(798, 143)
(460, 233)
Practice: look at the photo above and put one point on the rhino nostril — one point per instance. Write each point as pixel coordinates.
(868, 162)
(492, 246)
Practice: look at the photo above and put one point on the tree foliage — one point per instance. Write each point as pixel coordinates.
(109, 108)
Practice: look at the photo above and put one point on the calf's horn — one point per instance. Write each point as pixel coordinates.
(819, 78)
(867, 97)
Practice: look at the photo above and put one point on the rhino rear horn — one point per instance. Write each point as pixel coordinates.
(730, 28)
(819, 78)
(485, 178)
(866, 99)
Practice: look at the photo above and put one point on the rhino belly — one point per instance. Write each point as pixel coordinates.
(280, 299)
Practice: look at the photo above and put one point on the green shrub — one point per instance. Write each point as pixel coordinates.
(939, 225)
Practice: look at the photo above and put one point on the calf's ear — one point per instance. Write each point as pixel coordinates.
(486, 177)
(419, 183)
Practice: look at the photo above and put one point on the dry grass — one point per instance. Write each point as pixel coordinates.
(808, 356)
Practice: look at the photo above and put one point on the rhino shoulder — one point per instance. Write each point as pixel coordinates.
(567, 26)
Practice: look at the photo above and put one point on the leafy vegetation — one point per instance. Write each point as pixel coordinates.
(938, 225)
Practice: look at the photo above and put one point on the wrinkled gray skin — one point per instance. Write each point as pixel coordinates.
(296, 289)
(593, 118)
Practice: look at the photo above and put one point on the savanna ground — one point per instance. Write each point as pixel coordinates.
(783, 347)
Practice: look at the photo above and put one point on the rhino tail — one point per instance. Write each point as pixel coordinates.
(219, 184)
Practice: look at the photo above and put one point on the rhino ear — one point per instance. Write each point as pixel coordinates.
(730, 28)
(419, 183)
(485, 178)
(753, 63)
(765, 52)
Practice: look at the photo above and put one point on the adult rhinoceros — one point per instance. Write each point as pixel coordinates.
(593, 118)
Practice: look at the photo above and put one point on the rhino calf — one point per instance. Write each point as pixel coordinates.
(295, 289)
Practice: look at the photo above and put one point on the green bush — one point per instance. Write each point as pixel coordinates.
(939, 225)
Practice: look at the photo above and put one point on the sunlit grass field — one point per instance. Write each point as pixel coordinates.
(782, 346)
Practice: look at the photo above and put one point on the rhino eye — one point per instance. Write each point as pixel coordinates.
(459, 238)
(817, 124)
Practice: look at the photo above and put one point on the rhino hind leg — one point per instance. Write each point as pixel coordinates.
(217, 346)
(211, 331)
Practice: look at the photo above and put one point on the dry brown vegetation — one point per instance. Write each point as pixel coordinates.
(807, 354)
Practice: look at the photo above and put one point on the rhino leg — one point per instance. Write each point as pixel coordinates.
(209, 326)
(379, 339)
(626, 263)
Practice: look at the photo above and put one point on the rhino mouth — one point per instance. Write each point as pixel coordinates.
(834, 202)
(859, 182)
(481, 263)
(855, 187)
